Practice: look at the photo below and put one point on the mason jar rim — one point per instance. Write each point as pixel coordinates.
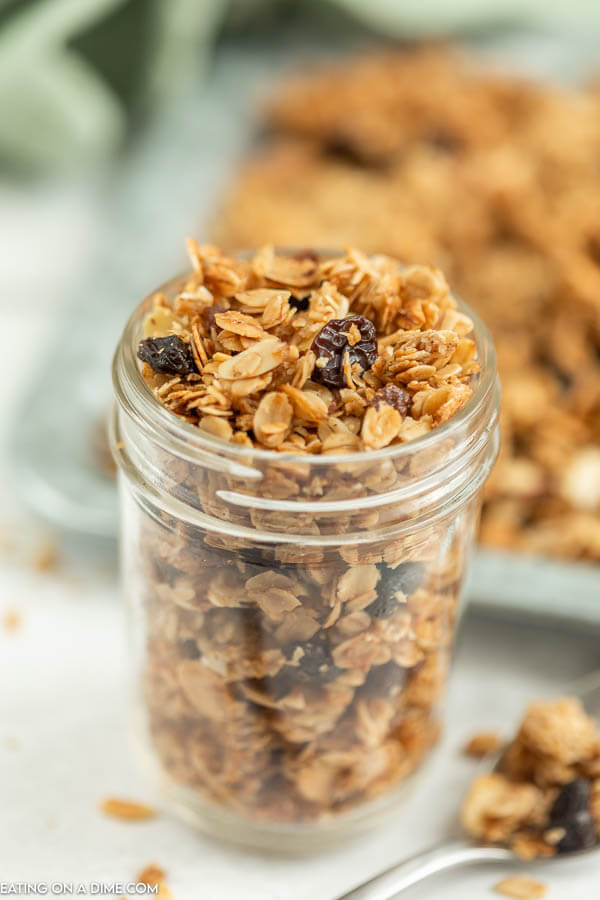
(135, 395)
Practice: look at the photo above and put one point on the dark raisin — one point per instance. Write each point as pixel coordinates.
(279, 685)
(189, 649)
(444, 141)
(383, 607)
(573, 798)
(406, 578)
(300, 303)
(343, 149)
(316, 663)
(315, 667)
(167, 355)
(580, 832)
(394, 396)
(384, 681)
(164, 571)
(331, 344)
(593, 248)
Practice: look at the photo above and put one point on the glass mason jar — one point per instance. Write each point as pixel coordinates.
(292, 616)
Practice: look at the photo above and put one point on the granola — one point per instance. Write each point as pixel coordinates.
(483, 744)
(373, 355)
(521, 887)
(293, 663)
(154, 877)
(126, 810)
(543, 797)
(431, 158)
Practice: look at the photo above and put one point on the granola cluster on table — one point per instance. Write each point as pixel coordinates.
(427, 157)
(287, 681)
(544, 797)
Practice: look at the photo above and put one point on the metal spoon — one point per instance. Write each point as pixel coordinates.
(452, 854)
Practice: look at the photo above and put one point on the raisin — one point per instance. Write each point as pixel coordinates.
(331, 344)
(316, 663)
(189, 649)
(580, 832)
(573, 798)
(393, 396)
(383, 607)
(300, 303)
(315, 667)
(343, 149)
(386, 680)
(167, 355)
(406, 578)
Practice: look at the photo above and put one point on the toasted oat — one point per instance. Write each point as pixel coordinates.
(272, 419)
(11, 620)
(126, 810)
(521, 887)
(380, 426)
(495, 807)
(154, 876)
(483, 744)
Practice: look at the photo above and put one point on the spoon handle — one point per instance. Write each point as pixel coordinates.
(429, 862)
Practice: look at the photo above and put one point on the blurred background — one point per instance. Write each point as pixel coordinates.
(466, 135)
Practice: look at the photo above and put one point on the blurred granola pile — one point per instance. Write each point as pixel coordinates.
(545, 797)
(496, 180)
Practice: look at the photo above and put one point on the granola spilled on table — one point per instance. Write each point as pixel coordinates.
(309, 354)
(298, 612)
(521, 888)
(544, 797)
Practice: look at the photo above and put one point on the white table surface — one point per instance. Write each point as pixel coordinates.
(63, 712)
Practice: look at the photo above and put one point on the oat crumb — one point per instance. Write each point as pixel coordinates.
(482, 744)
(521, 887)
(154, 876)
(11, 620)
(127, 810)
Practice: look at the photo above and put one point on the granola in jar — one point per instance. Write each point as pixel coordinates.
(303, 438)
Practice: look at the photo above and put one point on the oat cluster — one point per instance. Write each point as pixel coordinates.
(496, 180)
(544, 797)
(309, 354)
